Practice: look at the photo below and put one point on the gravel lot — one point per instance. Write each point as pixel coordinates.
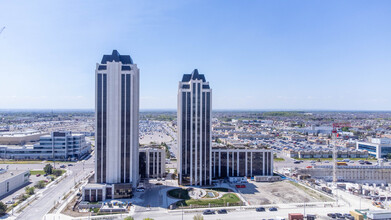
(258, 193)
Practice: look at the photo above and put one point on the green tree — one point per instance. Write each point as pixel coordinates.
(148, 219)
(29, 190)
(3, 208)
(129, 218)
(48, 169)
(198, 217)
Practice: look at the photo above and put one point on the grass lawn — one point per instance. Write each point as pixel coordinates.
(179, 194)
(278, 159)
(229, 197)
(35, 172)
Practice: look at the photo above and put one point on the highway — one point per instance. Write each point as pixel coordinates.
(44, 203)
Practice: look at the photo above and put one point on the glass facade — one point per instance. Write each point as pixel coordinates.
(142, 165)
(234, 162)
(242, 164)
(99, 130)
(224, 161)
(127, 129)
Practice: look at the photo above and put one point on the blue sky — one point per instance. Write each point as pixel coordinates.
(255, 54)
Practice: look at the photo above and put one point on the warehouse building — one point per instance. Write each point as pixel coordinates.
(12, 179)
(357, 174)
(19, 137)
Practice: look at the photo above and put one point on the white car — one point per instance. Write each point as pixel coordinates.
(10, 202)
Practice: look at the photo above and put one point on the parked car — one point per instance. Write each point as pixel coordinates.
(368, 163)
(332, 215)
(260, 209)
(62, 166)
(273, 209)
(222, 211)
(208, 212)
(140, 189)
(38, 175)
(348, 216)
(10, 202)
(339, 215)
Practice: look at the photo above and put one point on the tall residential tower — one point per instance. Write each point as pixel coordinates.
(194, 130)
(117, 122)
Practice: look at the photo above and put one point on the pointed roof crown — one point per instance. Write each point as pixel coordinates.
(193, 76)
(116, 57)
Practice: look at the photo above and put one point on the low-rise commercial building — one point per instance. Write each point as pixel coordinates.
(58, 145)
(12, 179)
(377, 147)
(152, 162)
(235, 162)
(303, 154)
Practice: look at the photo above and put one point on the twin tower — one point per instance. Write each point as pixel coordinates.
(117, 95)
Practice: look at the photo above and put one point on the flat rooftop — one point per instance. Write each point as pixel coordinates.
(10, 173)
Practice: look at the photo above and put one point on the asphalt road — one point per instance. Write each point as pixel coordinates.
(240, 214)
(44, 203)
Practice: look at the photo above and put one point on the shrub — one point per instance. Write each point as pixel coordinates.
(40, 184)
(198, 217)
(57, 172)
(30, 190)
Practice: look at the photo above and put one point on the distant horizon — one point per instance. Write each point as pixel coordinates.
(215, 110)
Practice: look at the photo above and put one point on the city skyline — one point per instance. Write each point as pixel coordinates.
(259, 55)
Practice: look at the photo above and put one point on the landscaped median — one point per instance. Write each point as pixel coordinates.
(221, 198)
